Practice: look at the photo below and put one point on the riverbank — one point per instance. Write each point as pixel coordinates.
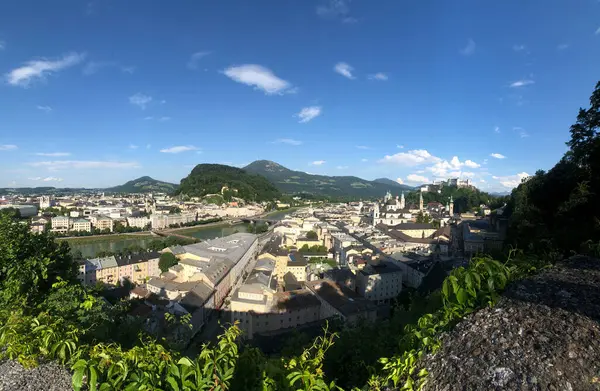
(107, 237)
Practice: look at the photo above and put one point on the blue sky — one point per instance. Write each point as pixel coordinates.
(97, 93)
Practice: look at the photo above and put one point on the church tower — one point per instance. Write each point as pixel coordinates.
(451, 207)
(402, 202)
(375, 213)
(421, 201)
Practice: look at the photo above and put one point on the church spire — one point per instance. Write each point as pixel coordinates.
(421, 201)
(402, 201)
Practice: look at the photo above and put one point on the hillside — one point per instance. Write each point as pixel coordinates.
(291, 182)
(211, 178)
(389, 182)
(143, 184)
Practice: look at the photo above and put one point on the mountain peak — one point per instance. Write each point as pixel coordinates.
(265, 165)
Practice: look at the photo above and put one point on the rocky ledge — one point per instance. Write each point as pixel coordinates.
(544, 334)
(48, 376)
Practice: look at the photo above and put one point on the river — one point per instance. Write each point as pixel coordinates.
(89, 249)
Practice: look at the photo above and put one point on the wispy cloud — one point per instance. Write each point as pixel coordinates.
(469, 48)
(289, 141)
(519, 48)
(521, 83)
(521, 131)
(335, 9)
(344, 69)
(562, 46)
(58, 165)
(128, 69)
(308, 113)
(39, 69)
(511, 181)
(260, 78)
(410, 158)
(7, 147)
(364, 160)
(2, 45)
(148, 146)
(400, 181)
(92, 67)
(341, 167)
(414, 178)
(53, 154)
(496, 129)
(45, 109)
(195, 59)
(140, 100)
(363, 147)
(497, 156)
(148, 118)
(179, 149)
(132, 146)
(317, 163)
(164, 119)
(399, 146)
(46, 179)
(378, 76)
(597, 31)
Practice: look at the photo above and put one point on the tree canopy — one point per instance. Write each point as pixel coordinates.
(167, 260)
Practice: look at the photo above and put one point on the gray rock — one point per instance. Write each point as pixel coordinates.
(48, 376)
(544, 334)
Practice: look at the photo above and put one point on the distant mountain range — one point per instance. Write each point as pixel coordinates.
(143, 184)
(296, 182)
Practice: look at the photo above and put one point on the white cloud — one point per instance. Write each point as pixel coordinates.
(53, 154)
(289, 141)
(562, 46)
(132, 146)
(471, 164)
(308, 113)
(45, 109)
(485, 161)
(400, 181)
(511, 181)
(317, 163)
(56, 165)
(128, 69)
(414, 178)
(364, 160)
(378, 76)
(46, 179)
(39, 69)
(363, 147)
(497, 156)
(519, 48)
(344, 69)
(260, 78)
(521, 83)
(497, 129)
(469, 49)
(140, 100)
(597, 31)
(414, 157)
(335, 9)
(7, 147)
(179, 149)
(164, 119)
(399, 146)
(341, 167)
(195, 58)
(482, 180)
(149, 118)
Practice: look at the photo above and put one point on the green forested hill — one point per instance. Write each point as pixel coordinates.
(144, 184)
(210, 179)
(295, 182)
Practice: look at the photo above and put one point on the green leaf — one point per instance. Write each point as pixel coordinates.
(77, 379)
(461, 296)
(173, 383)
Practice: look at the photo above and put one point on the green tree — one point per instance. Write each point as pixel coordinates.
(30, 263)
(167, 260)
(312, 235)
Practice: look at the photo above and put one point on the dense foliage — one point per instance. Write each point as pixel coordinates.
(212, 178)
(167, 260)
(465, 199)
(559, 208)
(339, 188)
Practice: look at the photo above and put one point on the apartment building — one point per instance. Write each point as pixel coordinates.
(138, 222)
(102, 223)
(162, 221)
(81, 225)
(339, 301)
(60, 224)
(135, 267)
(296, 265)
(379, 281)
